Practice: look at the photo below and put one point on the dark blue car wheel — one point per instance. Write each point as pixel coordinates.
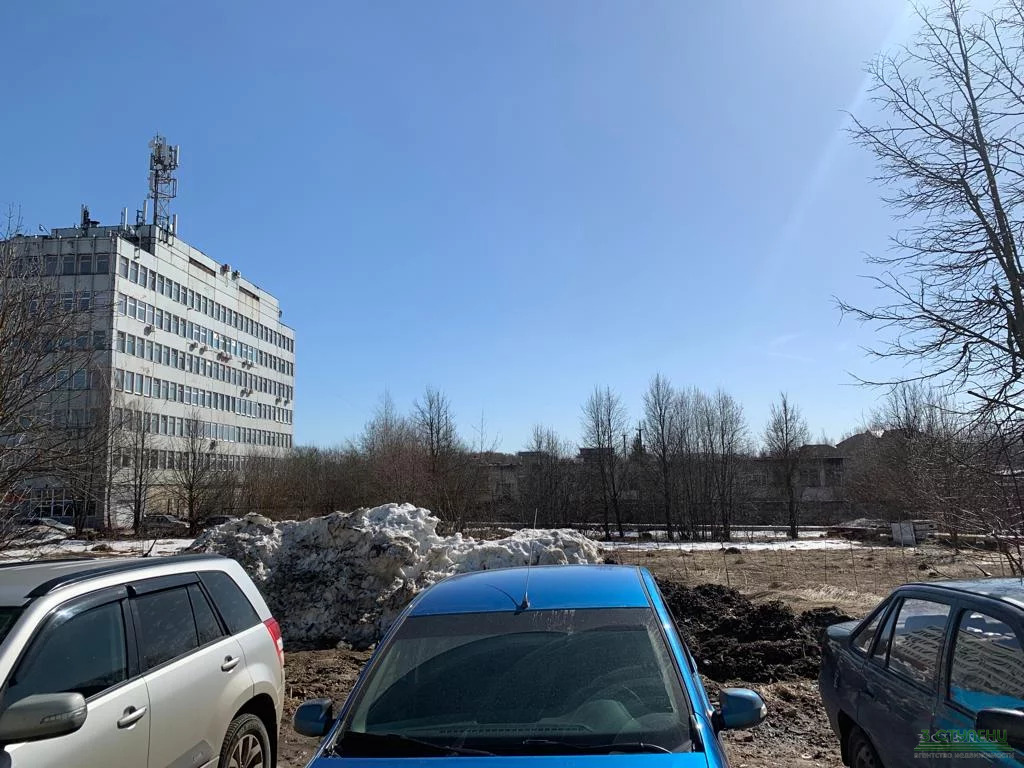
(860, 750)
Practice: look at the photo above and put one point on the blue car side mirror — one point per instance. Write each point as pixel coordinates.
(738, 708)
(313, 718)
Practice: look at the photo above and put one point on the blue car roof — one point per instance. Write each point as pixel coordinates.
(550, 588)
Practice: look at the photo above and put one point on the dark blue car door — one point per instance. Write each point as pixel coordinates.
(901, 680)
(984, 668)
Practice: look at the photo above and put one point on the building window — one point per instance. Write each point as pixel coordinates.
(152, 280)
(99, 339)
(85, 264)
(138, 384)
(133, 272)
(129, 381)
(122, 267)
(84, 301)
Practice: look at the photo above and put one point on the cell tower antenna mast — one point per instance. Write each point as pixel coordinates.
(163, 185)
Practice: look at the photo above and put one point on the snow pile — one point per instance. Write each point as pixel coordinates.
(344, 577)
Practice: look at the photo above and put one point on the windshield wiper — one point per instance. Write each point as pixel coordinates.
(396, 744)
(624, 746)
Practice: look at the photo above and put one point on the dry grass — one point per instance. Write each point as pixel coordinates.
(854, 579)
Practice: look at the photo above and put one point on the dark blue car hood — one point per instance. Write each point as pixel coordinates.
(681, 760)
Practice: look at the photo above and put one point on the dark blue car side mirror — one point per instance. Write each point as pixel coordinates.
(314, 718)
(1009, 721)
(738, 708)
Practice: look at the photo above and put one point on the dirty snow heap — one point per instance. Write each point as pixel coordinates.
(344, 577)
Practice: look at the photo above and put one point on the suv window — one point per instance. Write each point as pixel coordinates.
(166, 626)
(917, 640)
(85, 653)
(231, 602)
(988, 664)
(866, 634)
(207, 625)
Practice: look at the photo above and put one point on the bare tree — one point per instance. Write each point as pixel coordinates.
(89, 470)
(135, 457)
(547, 479)
(785, 436)
(604, 422)
(952, 161)
(454, 479)
(196, 480)
(728, 444)
(45, 360)
(393, 455)
(662, 426)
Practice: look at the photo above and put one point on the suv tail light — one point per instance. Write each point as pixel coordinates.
(275, 632)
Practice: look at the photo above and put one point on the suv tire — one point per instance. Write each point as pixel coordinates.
(861, 751)
(246, 744)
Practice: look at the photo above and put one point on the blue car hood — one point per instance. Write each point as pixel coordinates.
(643, 760)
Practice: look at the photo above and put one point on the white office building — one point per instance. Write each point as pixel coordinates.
(178, 336)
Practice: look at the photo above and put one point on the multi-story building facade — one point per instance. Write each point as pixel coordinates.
(179, 340)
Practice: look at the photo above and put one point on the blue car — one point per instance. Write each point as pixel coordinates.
(933, 676)
(575, 665)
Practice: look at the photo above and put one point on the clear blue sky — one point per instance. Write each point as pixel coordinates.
(511, 202)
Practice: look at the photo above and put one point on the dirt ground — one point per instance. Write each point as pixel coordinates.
(723, 627)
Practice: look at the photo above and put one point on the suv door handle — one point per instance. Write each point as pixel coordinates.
(229, 663)
(131, 717)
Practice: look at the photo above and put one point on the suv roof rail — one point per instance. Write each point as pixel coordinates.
(74, 577)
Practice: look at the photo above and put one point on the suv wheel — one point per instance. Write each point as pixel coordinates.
(246, 744)
(860, 750)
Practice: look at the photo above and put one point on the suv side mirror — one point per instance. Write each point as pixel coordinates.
(738, 708)
(43, 716)
(313, 718)
(1009, 720)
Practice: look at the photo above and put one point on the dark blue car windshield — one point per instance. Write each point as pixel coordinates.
(551, 682)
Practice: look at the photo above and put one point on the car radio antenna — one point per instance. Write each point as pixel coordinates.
(529, 564)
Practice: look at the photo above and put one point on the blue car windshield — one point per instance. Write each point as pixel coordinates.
(533, 682)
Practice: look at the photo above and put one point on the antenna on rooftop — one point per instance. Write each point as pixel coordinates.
(163, 185)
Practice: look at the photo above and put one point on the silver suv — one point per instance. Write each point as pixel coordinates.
(172, 661)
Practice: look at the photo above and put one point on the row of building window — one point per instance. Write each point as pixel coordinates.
(177, 426)
(162, 354)
(158, 458)
(167, 321)
(150, 386)
(154, 281)
(77, 264)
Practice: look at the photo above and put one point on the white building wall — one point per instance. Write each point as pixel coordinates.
(165, 302)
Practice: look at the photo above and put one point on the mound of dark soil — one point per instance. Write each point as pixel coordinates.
(734, 638)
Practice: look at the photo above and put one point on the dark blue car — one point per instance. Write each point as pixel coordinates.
(560, 666)
(933, 676)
